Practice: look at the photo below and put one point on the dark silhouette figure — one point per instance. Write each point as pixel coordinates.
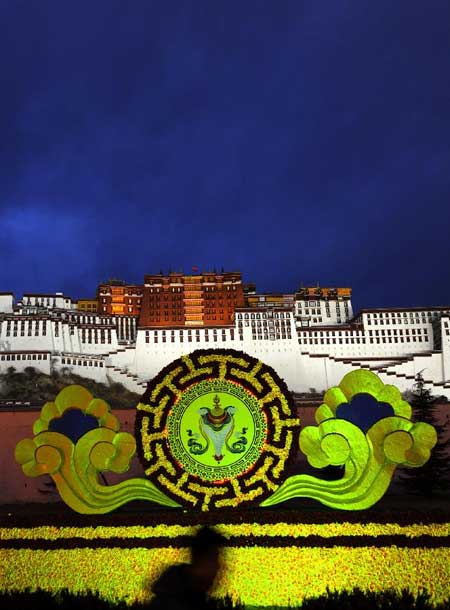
(185, 586)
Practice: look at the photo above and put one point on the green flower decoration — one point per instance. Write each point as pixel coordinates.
(75, 467)
(369, 459)
(75, 396)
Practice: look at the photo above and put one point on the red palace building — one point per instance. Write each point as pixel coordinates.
(203, 299)
(115, 297)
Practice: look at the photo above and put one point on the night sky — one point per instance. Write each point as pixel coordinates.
(303, 141)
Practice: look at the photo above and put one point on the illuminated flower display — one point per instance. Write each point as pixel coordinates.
(216, 429)
(75, 467)
(251, 530)
(369, 459)
(256, 575)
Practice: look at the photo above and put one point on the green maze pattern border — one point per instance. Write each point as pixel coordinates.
(164, 390)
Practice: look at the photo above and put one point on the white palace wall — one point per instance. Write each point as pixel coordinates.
(40, 360)
(395, 346)
(22, 333)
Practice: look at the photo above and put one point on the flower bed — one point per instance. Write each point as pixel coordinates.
(278, 563)
(257, 576)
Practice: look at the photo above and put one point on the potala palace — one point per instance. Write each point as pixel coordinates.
(312, 338)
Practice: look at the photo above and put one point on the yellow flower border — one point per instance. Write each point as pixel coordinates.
(257, 576)
(253, 530)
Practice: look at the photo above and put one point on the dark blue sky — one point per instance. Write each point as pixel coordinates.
(297, 141)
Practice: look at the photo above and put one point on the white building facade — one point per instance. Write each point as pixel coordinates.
(311, 344)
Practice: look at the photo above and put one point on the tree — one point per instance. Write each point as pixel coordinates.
(435, 474)
(30, 372)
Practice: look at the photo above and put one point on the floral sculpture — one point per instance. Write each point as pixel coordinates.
(217, 428)
(75, 467)
(369, 459)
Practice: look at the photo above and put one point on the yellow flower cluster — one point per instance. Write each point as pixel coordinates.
(257, 576)
(249, 377)
(207, 491)
(253, 530)
(162, 462)
(168, 379)
(195, 372)
(240, 496)
(176, 489)
(261, 474)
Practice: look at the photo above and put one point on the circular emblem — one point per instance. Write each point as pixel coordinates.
(215, 429)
